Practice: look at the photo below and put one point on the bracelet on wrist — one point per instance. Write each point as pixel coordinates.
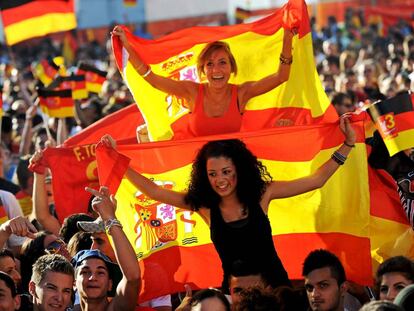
(111, 223)
(338, 158)
(147, 72)
(285, 60)
(349, 145)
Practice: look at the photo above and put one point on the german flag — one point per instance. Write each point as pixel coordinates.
(394, 119)
(76, 83)
(26, 19)
(57, 104)
(94, 77)
(130, 3)
(242, 14)
(46, 71)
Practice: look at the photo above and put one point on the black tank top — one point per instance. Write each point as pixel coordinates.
(249, 240)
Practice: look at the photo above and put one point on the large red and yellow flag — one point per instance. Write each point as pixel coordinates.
(26, 19)
(73, 164)
(256, 48)
(175, 245)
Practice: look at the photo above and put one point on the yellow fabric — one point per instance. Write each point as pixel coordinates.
(339, 206)
(404, 140)
(302, 90)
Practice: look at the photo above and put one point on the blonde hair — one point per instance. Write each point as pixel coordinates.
(210, 49)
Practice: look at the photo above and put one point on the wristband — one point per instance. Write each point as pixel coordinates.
(349, 145)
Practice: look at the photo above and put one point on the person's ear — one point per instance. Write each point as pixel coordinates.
(110, 285)
(32, 288)
(344, 288)
(17, 302)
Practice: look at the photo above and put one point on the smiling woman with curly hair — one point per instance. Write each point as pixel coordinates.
(232, 190)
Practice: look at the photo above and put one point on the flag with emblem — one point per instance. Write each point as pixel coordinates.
(394, 119)
(177, 242)
(93, 76)
(175, 55)
(57, 104)
(76, 83)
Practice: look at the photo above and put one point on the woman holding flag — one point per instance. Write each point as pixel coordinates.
(216, 107)
(232, 190)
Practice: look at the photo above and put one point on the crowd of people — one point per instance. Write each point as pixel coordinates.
(48, 265)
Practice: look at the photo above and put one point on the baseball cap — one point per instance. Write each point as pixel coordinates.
(115, 273)
(92, 226)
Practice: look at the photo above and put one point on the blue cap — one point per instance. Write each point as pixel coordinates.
(115, 272)
(95, 253)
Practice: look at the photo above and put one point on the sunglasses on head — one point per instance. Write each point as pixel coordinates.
(55, 247)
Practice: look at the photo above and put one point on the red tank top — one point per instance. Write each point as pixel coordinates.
(229, 122)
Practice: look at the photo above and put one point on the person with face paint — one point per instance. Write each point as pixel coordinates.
(232, 190)
(216, 107)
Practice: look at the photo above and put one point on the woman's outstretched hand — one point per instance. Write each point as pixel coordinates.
(120, 32)
(108, 141)
(347, 129)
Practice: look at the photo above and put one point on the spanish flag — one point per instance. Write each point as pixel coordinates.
(57, 104)
(394, 119)
(76, 83)
(174, 245)
(256, 48)
(93, 76)
(26, 19)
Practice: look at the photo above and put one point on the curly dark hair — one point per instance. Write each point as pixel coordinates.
(252, 175)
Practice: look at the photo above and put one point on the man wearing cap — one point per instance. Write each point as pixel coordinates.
(95, 272)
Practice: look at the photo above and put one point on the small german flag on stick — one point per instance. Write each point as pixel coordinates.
(46, 70)
(58, 104)
(76, 83)
(93, 76)
(394, 119)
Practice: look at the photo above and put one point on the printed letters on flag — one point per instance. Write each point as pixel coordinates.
(394, 119)
(300, 100)
(73, 164)
(176, 242)
(26, 19)
(57, 104)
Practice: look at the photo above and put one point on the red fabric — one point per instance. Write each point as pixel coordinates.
(202, 125)
(385, 202)
(73, 165)
(167, 47)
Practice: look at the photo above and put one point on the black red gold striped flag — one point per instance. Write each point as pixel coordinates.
(394, 119)
(57, 104)
(76, 83)
(94, 77)
(130, 3)
(26, 19)
(46, 70)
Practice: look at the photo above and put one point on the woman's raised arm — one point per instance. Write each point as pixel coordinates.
(184, 89)
(148, 187)
(255, 88)
(285, 189)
